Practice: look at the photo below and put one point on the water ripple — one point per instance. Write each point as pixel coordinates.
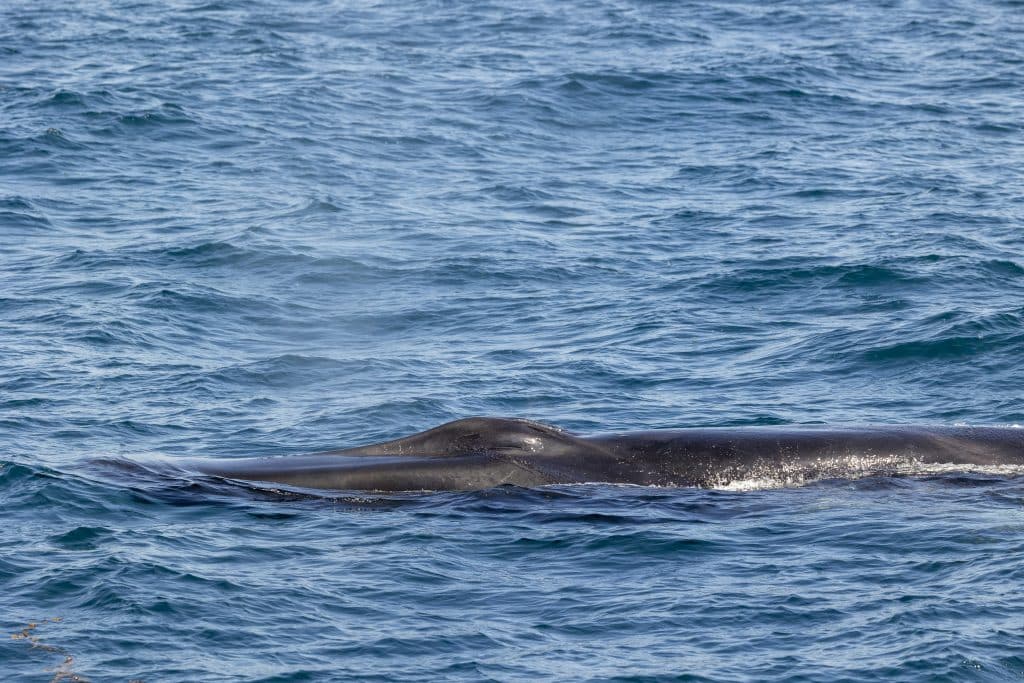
(236, 229)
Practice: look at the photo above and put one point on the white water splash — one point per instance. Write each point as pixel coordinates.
(782, 476)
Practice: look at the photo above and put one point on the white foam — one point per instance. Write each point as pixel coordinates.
(858, 468)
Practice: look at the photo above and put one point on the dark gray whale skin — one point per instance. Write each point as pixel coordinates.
(484, 452)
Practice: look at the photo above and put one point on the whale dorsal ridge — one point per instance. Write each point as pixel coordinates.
(473, 435)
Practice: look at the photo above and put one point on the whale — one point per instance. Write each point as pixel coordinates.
(486, 452)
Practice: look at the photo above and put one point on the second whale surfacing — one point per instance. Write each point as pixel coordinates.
(485, 452)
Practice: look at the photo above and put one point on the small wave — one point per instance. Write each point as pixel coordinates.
(792, 275)
(164, 115)
(955, 334)
(19, 212)
(64, 98)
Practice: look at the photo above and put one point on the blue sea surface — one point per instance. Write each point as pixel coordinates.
(250, 228)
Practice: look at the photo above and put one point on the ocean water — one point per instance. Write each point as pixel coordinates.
(249, 228)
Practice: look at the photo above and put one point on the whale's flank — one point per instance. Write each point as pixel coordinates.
(482, 452)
